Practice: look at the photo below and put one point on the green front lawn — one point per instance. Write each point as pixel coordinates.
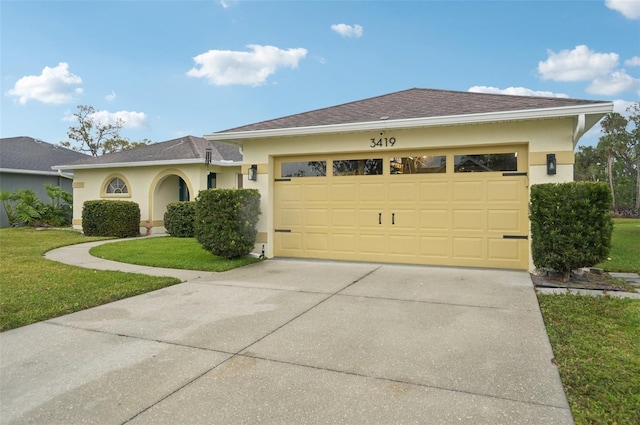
(596, 341)
(168, 252)
(625, 247)
(34, 288)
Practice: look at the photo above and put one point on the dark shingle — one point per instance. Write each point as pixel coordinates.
(27, 153)
(183, 148)
(412, 103)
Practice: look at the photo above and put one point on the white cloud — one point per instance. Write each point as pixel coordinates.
(111, 97)
(131, 119)
(620, 106)
(348, 30)
(515, 91)
(228, 3)
(226, 67)
(629, 8)
(634, 61)
(614, 83)
(578, 64)
(53, 85)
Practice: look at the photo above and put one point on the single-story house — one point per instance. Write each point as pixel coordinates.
(26, 163)
(418, 176)
(155, 175)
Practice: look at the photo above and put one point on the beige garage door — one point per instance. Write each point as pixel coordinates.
(454, 207)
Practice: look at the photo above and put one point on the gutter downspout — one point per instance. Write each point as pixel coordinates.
(579, 131)
(69, 176)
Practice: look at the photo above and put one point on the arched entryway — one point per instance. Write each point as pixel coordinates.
(169, 186)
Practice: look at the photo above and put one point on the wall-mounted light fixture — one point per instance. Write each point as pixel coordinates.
(253, 172)
(551, 163)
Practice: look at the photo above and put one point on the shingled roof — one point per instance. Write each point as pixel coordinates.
(29, 154)
(188, 149)
(410, 104)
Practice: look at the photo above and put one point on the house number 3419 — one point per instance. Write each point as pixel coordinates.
(382, 142)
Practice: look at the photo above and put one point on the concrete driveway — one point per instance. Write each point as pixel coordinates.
(294, 342)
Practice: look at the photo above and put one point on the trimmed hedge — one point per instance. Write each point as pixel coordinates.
(571, 225)
(226, 219)
(111, 218)
(178, 219)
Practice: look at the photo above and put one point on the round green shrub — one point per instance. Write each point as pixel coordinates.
(120, 219)
(226, 220)
(571, 225)
(178, 219)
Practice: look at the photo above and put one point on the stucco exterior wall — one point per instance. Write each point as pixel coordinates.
(541, 137)
(151, 187)
(12, 182)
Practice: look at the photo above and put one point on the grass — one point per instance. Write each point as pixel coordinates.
(596, 342)
(34, 288)
(625, 247)
(168, 252)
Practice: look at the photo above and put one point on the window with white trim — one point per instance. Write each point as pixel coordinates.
(117, 185)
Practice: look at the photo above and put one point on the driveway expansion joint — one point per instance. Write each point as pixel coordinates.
(396, 381)
(135, 337)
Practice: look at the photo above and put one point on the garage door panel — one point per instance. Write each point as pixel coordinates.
(435, 220)
(504, 249)
(317, 217)
(290, 192)
(344, 243)
(372, 244)
(344, 217)
(289, 241)
(469, 220)
(467, 248)
(344, 192)
(469, 191)
(504, 190)
(403, 246)
(372, 192)
(290, 217)
(403, 192)
(404, 219)
(317, 243)
(316, 193)
(504, 221)
(372, 218)
(438, 191)
(435, 246)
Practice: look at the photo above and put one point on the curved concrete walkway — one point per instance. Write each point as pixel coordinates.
(291, 342)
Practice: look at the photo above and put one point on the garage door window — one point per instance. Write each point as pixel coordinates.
(304, 169)
(357, 167)
(486, 162)
(419, 164)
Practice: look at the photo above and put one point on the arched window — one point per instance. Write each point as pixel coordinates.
(117, 185)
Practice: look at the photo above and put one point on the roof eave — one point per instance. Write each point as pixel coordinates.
(35, 172)
(449, 120)
(222, 163)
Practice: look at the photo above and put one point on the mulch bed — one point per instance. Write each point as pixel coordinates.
(585, 280)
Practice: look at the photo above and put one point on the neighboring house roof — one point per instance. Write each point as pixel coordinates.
(184, 150)
(418, 108)
(26, 155)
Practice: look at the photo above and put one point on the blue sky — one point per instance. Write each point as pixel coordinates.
(175, 68)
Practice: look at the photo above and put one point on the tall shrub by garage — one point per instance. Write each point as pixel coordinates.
(111, 218)
(226, 220)
(571, 225)
(178, 219)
